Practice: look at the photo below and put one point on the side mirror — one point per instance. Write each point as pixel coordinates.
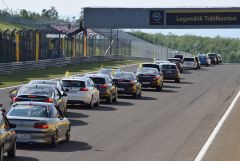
(12, 126)
(2, 109)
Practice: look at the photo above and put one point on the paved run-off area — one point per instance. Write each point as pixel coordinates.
(172, 125)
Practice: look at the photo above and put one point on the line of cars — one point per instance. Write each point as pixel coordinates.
(37, 112)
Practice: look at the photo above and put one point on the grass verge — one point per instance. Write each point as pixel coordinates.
(56, 72)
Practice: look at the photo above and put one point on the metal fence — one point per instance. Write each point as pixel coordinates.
(35, 45)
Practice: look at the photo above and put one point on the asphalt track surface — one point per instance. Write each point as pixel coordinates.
(171, 125)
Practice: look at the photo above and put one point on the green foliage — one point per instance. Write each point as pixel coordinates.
(227, 47)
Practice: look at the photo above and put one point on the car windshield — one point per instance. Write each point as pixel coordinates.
(98, 80)
(148, 71)
(128, 76)
(178, 56)
(73, 83)
(36, 90)
(188, 59)
(29, 111)
(212, 55)
(169, 67)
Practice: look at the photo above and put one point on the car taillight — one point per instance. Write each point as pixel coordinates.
(15, 99)
(103, 86)
(41, 125)
(84, 89)
(49, 100)
(156, 78)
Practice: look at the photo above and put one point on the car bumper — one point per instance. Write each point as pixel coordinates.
(171, 76)
(34, 137)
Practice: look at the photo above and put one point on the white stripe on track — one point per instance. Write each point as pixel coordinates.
(209, 141)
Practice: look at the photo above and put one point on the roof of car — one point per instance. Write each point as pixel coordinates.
(31, 103)
(168, 64)
(99, 75)
(38, 85)
(43, 81)
(125, 72)
(78, 78)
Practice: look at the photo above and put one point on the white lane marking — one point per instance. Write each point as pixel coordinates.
(61, 77)
(209, 141)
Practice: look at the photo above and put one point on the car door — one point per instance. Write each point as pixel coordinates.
(7, 133)
(94, 90)
(60, 122)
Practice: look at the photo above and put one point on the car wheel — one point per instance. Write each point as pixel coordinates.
(54, 142)
(135, 95)
(140, 93)
(109, 99)
(68, 135)
(97, 103)
(91, 104)
(1, 152)
(12, 152)
(116, 97)
(177, 80)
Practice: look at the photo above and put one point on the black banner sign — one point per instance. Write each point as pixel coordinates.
(156, 17)
(203, 18)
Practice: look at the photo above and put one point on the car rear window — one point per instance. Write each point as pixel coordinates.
(152, 71)
(178, 56)
(97, 80)
(188, 59)
(169, 67)
(43, 82)
(151, 66)
(73, 83)
(29, 111)
(36, 90)
(128, 76)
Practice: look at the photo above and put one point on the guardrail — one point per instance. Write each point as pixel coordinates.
(6, 68)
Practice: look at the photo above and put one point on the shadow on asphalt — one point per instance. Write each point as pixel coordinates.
(20, 158)
(70, 146)
(121, 103)
(183, 82)
(75, 122)
(169, 91)
(75, 114)
(101, 107)
(167, 86)
(187, 72)
(147, 98)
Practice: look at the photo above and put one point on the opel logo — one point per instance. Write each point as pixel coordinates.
(156, 16)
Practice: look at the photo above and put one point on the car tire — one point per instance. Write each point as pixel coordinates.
(109, 100)
(54, 142)
(91, 104)
(68, 135)
(177, 80)
(116, 97)
(12, 152)
(159, 88)
(97, 103)
(135, 95)
(140, 93)
(1, 152)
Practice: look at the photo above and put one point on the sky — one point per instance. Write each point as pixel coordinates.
(73, 8)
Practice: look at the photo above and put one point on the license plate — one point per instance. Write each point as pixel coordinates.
(121, 89)
(189, 63)
(23, 136)
(168, 71)
(145, 82)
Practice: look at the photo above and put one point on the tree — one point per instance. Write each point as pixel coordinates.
(51, 14)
